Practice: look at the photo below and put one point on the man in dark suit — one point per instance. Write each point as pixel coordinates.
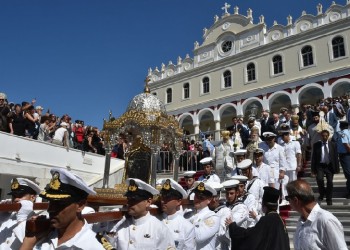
(330, 117)
(233, 127)
(276, 124)
(266, 122)
(324, 161)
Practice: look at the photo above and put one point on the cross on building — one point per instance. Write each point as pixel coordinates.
(226, 7)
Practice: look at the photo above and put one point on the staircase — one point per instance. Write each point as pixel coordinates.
(340, 207)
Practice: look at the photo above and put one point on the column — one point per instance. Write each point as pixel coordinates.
(217, 131)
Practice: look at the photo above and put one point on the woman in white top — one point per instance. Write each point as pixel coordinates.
(61, 135)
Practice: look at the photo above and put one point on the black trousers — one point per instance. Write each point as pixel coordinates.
(323, 170)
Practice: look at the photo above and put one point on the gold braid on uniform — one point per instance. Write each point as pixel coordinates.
(104, 242)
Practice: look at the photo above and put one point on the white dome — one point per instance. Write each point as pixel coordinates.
(146, 102)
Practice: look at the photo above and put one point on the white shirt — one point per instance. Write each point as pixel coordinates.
(207, 224)
(291, 149)
(59, 133)
(146, 233)
(265, 173)
(240, 214)
(181, 229)
(321, 230)
(274, 157)
(12, 232)
(84, 239)
(257, 190)
(223, 242)
(211, 178)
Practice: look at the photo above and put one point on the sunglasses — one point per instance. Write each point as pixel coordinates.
(289, 197)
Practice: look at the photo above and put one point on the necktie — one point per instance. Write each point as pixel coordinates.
(326, 153)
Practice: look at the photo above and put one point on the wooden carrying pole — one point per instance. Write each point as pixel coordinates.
(93, 201)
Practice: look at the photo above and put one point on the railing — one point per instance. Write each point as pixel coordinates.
(188, 160)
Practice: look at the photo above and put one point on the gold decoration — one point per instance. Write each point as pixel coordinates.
(55, 182)
(15, 184)
(201, 187)
(167, 185)
(132, 186)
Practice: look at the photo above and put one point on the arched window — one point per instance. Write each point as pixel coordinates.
(186, 91)
(338, 47)
(206, 87)
(308, 58)
(227, 79)
(277, 64)
(169, 95)
(251, 72)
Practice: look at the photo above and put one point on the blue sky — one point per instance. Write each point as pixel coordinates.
(86, 57)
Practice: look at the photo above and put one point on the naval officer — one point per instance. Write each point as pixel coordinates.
(141, 230)
(67, 229)
(181, 229)
(209, 175)
(12, 229)
(206, 222)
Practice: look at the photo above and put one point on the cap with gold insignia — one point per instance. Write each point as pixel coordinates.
(139, 190)
(269, 134)
(246, 163)
(229, 184)
(241, 178)
(284, 128)
(22, 186)
(240, 152)
(258, 151)
(189, 174)
(203, 188)
(216, 185)
(66, 186)
(171, 188)
(206, 160)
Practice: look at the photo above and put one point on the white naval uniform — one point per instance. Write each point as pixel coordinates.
(240, 215)
(190, 195)
(291, 149)
(321, 230)
(146, 233)
(275, 158)
(256, 188)
(12, 232)
(265, 173)
(222, 242)
(249, 200)
(207, 224)
(84, 239)
(211, 178)
(181, 229)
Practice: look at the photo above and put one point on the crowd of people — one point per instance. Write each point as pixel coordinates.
(29, 120)
(256, 165)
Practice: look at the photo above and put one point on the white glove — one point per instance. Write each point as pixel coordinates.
(7, 201)
(25, 211)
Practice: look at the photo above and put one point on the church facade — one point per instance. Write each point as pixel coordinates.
(242, 68)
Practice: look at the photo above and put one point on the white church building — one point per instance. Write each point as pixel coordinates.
(242, 67)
